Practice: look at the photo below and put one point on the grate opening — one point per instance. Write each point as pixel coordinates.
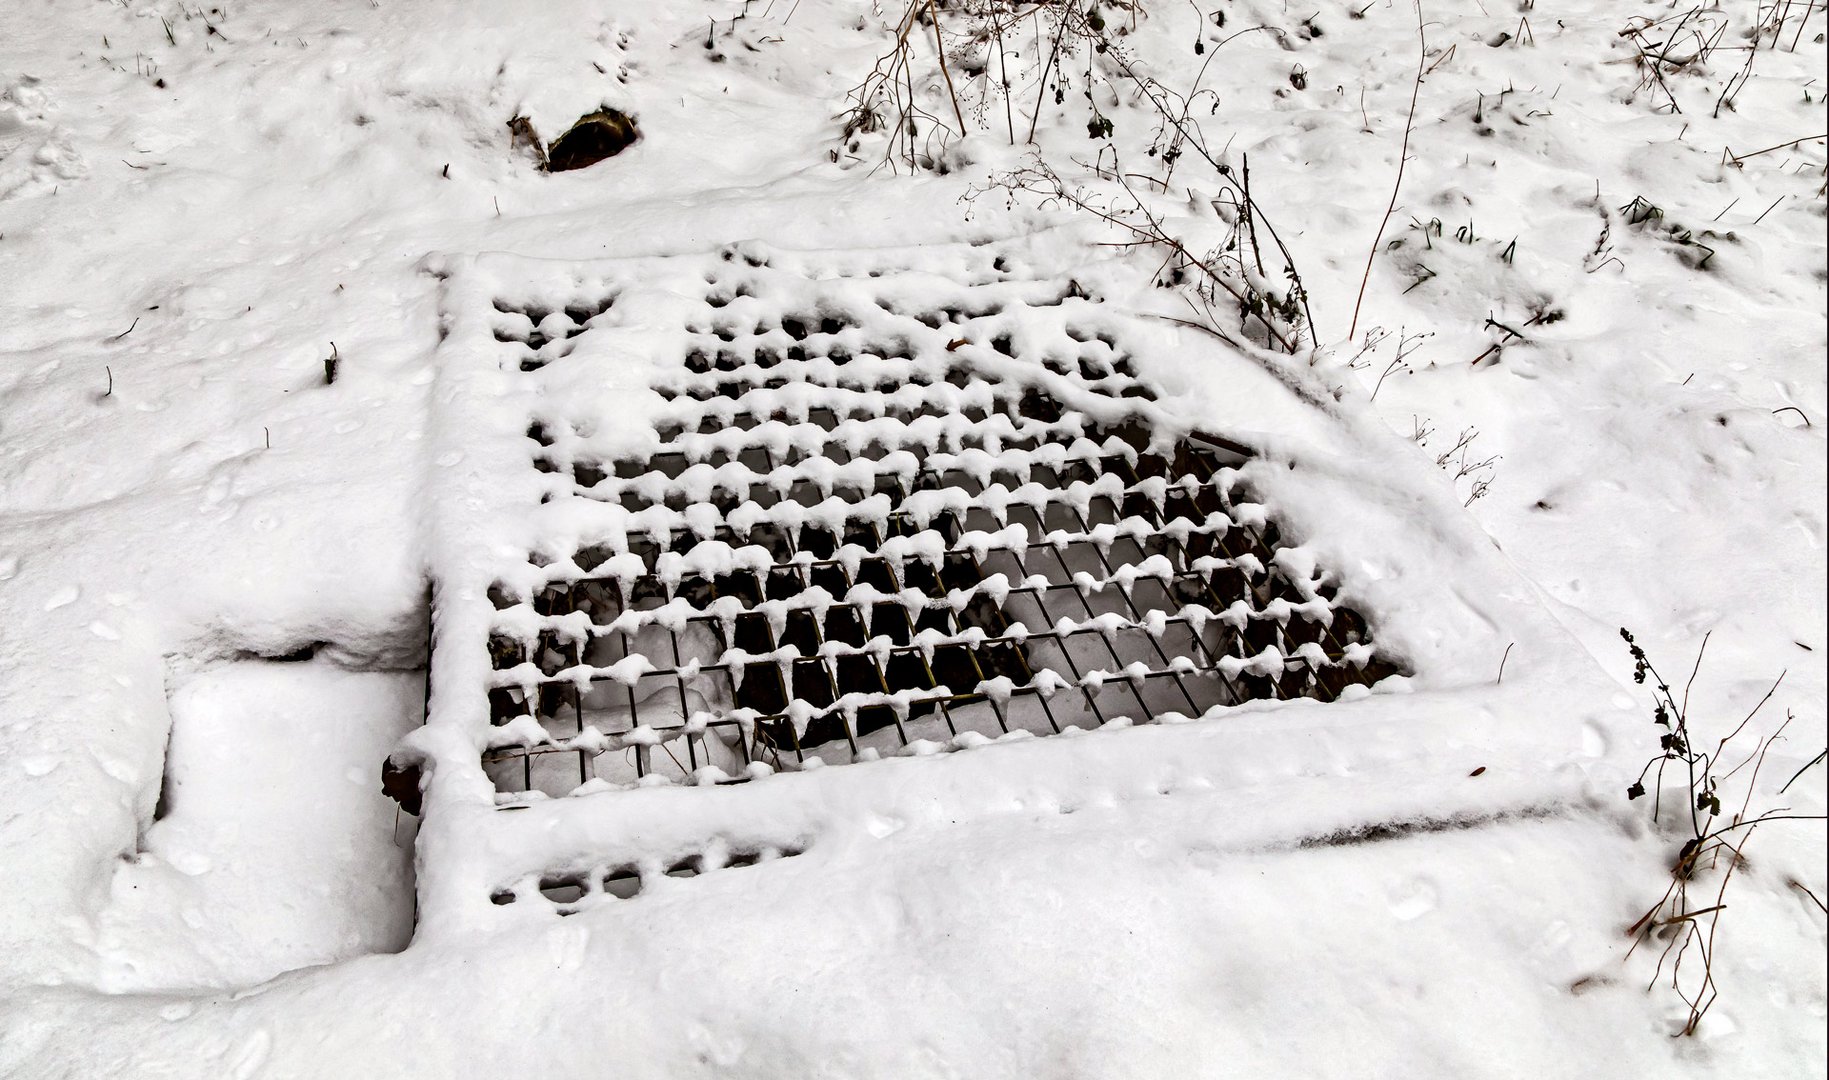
(568, 892)
(546, 332)
(833, 552)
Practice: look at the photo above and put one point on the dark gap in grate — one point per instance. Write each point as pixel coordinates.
(572, 890)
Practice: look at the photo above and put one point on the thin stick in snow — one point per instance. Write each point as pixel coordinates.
(1403, 155)
(940, 48)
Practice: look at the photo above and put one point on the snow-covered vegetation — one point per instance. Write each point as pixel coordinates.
(348, 402)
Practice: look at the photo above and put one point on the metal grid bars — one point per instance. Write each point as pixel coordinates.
(843, 548)
(545, 333)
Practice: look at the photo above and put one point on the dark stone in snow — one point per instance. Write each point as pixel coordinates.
(598, 135)
(401, 784)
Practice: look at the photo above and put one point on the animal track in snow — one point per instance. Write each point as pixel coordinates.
(36, 154)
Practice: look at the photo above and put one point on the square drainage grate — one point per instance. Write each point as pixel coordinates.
(862, 526)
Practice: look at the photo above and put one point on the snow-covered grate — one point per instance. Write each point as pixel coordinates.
(843, 542)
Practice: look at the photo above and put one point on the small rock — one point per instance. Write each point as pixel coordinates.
(597, 135)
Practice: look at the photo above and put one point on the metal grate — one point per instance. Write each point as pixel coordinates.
(841, 551)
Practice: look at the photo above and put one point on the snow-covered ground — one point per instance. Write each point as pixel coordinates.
(215, 565)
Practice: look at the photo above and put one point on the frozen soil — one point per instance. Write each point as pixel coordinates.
(214, 611)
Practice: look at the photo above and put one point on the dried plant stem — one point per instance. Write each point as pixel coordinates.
(940, 48)
(1738, 158)
(1673, 919)
(1154, 233)
(1257, 251)
(1403, 156)
(1190, 135)
(1817, 760)
(1003, 70)
(1041, 89)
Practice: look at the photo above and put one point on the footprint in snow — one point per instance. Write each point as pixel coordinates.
(1411, 899)
(36, 155)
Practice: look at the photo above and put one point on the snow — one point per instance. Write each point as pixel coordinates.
(220, 575)
(285, 858)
